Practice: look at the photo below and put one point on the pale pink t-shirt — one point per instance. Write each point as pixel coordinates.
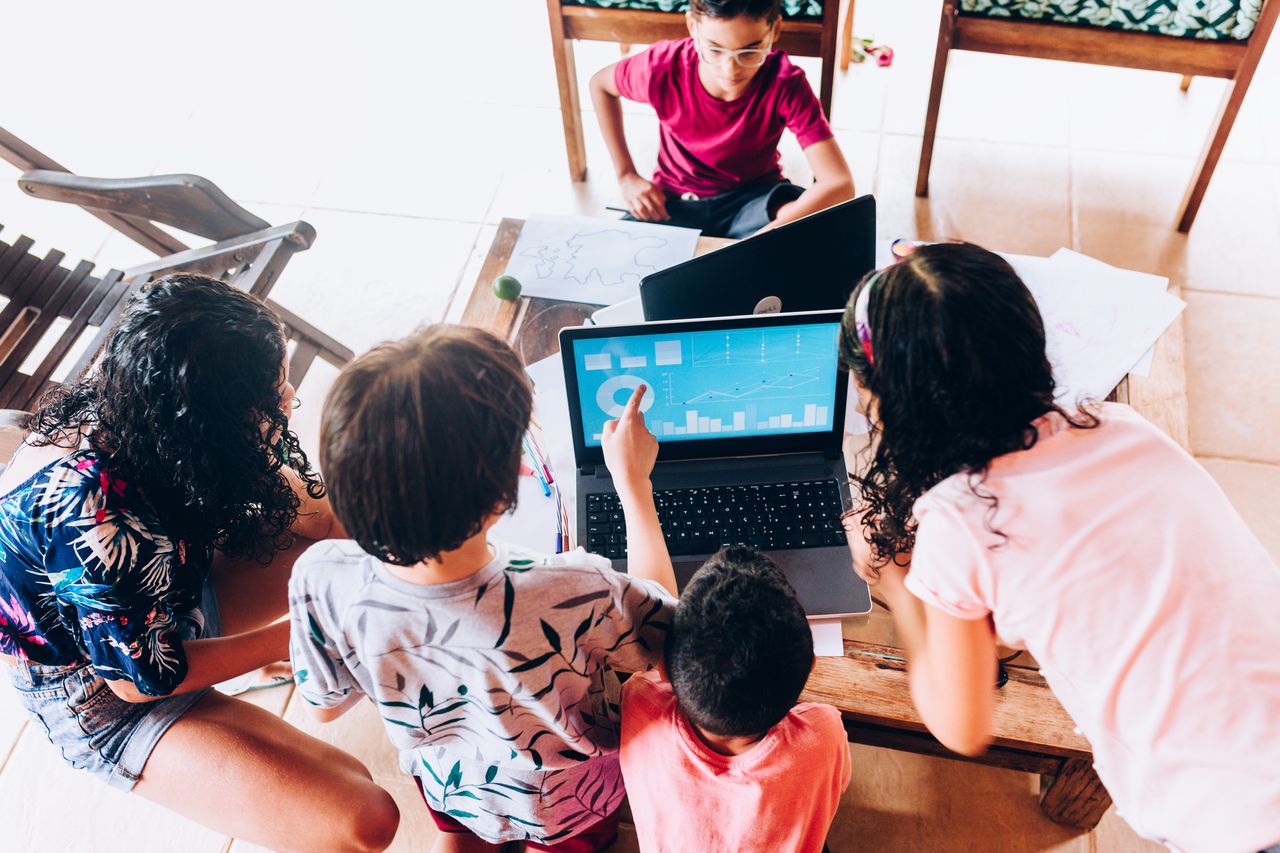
(1153, 610)
(779, 795)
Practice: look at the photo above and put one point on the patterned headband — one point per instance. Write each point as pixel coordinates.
(861, 315)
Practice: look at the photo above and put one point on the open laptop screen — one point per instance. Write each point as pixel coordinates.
(760, 378)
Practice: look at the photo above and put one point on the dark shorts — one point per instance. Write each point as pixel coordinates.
(94, 729)
(595, 838)
(735, 214)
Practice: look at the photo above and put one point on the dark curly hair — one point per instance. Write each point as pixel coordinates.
(184, 404)
(960, 377)
(420, 441)
(739, 650)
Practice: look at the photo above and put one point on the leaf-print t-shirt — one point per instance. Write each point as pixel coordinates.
(87, 574)
(494, 688)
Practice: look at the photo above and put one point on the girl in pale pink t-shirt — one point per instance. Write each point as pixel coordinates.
(1084, 535)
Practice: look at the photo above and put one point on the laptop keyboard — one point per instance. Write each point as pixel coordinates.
(767, 516)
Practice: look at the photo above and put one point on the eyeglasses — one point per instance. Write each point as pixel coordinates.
(751, 57)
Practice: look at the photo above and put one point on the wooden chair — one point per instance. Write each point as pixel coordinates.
(67, 313)
(1233, 59)
(578, 20)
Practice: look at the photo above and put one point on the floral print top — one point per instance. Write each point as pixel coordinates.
(497, 689)
(87, 575)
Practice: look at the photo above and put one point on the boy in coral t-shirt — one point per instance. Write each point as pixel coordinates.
(723, 98)
(719, 756)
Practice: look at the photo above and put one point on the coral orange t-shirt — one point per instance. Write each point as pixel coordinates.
(781, 794)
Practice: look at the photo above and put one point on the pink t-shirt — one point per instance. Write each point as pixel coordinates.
(1153, 610)
(779, 795)
(707, 146)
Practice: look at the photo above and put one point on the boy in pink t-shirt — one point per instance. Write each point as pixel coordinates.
(723, 98)
(719, 757)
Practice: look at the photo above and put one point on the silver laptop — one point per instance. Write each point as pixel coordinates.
(749, 417)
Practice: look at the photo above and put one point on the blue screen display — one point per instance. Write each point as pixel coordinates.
(720, 383)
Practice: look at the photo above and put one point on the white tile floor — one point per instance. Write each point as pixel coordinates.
(405, 133)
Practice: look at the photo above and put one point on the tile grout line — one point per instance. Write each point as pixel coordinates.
(1214, 457)
(458, 283)
(1068, 146)
(1266, 296)
(392, 215)
(13, 747)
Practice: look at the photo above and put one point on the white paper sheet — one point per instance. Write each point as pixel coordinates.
(551, 410)
(625, 313)
(598, 261)
(1098, 325)
(533, 523)
(1068, 259)
(828, 638)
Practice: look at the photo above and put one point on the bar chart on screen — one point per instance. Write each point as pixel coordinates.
(712, 384)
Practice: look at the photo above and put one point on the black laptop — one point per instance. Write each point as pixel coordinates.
(811, 264)
(749, 417)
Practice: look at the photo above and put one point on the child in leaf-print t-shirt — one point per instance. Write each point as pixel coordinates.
(492, 687)
(490, 666)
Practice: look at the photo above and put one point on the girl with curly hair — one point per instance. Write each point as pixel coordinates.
(148, 526)
(1080, 533)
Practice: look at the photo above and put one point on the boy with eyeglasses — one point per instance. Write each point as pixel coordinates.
(723, 98)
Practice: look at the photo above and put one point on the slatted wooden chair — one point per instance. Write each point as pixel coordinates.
(56, 317)
(1187, 37)
(809, 28)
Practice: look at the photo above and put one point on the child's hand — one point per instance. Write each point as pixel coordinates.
(646, 201)
(629, 448)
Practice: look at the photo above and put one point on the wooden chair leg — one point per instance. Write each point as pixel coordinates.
(567, 82)
(1074, 795)
(1185, 83)
(846, 37)
(946, 29)
(827, 50)
(1227, 113)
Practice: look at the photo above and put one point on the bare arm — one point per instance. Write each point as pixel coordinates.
(832, 184)
(630, 451)
(217, 659)
(315, 516)
(952, 663)
(646, 201)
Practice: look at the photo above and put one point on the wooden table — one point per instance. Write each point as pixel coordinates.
(869, 683)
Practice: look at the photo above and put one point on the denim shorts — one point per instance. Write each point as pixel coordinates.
(96, 730)
(736, 214)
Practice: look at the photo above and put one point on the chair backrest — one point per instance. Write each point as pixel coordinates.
(188, 202)
(55, 320)
(249, 252)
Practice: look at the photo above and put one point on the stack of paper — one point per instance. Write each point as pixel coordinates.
(1101, 322)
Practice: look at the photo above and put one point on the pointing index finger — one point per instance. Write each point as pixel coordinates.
(632, 408)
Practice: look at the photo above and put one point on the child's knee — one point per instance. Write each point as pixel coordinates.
(370, 823)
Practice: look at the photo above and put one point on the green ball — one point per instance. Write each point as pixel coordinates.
(506, 287)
